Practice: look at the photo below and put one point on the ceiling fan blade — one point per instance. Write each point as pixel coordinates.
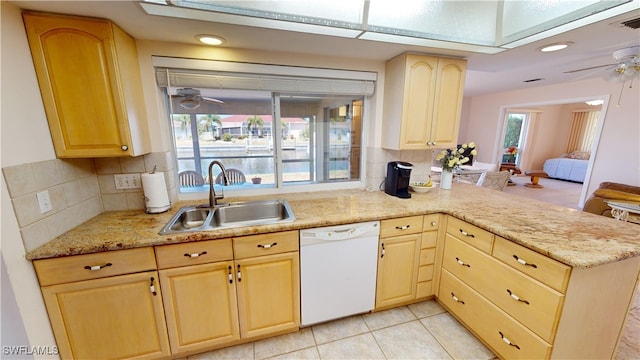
(589, 68)
(212, 100)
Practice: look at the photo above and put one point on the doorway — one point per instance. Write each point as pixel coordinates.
(540, 134)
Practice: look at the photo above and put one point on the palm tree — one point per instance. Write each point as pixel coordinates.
(210, 122)
(254, 122)
(283, 127)
(185, 123)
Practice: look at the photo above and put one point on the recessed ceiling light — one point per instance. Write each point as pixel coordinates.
(556, 46)
(210, 39)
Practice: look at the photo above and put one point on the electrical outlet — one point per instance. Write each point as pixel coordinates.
(44, 201)
(127, 181)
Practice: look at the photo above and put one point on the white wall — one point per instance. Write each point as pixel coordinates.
(24, 139)
(618, 153)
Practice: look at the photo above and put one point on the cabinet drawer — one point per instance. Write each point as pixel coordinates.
(538, 266)
(534, 304)
(483, 317)
(401, 226)
(94, 266)
(470, 234)
(193, 253)
(431, 222)
(425, 273)
(427, 256)
(265, 244)
(424, 289)
(429, 239)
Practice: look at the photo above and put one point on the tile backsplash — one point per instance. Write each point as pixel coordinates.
(378, 158)
(79, 189)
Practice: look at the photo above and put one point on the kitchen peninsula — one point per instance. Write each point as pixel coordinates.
(601, 255)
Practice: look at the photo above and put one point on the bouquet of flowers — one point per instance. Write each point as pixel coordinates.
(452, 158)
(512, 150)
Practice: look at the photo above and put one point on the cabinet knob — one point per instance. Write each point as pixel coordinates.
(124, 147)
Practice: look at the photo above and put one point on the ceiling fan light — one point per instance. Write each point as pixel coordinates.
(190, 104)
(210, 39)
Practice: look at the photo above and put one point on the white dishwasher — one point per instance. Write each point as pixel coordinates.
(338, 266)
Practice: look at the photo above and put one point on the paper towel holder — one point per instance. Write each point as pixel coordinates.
(155, 193)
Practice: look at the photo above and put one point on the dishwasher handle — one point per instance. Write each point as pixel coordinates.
(344, 234)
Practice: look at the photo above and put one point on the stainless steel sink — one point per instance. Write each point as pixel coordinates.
(235, 214)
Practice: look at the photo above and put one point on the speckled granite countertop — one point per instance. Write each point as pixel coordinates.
(573, 237)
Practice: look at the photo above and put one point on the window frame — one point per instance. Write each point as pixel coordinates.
(266, 70)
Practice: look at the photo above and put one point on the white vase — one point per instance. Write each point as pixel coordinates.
(446, 177)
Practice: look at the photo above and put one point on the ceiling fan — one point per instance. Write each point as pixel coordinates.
(625, 67)
(192, 98)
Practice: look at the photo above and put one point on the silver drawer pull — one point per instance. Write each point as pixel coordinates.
(516, 297)
(152, 287)
(195, 255)
(404, 227)
(462, 263)
(507, 341)
(466, 233)
(267, 246)
(524, 262)
(97, 267)
(456, 299)
(433, 223)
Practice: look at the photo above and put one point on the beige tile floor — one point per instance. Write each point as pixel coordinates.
(418, 331)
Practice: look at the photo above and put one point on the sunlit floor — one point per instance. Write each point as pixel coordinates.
(559, 192)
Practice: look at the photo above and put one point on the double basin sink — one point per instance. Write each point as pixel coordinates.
(229, 215)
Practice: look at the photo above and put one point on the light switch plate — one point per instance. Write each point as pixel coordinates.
(44, 201)
(127, 181)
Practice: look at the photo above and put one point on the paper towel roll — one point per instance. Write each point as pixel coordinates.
(155, 193)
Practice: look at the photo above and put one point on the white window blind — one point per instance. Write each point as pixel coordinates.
(176, 77)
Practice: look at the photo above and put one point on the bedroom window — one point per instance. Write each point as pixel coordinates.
(515, 133)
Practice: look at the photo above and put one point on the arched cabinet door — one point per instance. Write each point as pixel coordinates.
(90, 84)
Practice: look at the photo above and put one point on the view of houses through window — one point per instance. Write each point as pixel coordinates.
(269, 139)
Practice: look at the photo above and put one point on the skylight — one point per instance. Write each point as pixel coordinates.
(479, 26)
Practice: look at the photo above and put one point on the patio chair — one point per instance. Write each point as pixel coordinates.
(496, 180)
(234, 176)
(190, 178)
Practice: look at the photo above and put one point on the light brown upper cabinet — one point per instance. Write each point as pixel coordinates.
(90, 84)
(422, 102)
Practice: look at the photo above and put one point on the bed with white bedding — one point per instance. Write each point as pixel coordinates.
(566, 169)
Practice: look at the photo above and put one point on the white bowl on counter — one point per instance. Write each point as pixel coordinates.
(420, 188)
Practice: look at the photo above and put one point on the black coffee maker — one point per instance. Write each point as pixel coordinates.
(397, 181)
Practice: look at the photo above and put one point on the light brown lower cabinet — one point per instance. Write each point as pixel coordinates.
(105, 305)
(407, 259)
(524, 305)
(201, 305)
(220, 300)
(116, 317)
